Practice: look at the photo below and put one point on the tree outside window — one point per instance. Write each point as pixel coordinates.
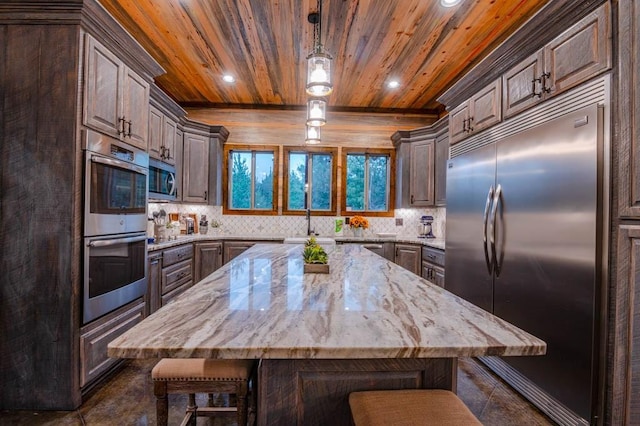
(310, 178)
(367, 182)
(251, 181)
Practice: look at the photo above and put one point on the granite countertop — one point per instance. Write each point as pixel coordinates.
(261, 305)
(184, 239)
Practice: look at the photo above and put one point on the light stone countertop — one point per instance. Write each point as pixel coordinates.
(184, 239)
(261, 305)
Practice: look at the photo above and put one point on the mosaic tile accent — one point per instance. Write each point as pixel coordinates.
(290, 226)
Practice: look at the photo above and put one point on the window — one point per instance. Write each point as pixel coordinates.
(313, 169)
(366, 177)
(251, 179)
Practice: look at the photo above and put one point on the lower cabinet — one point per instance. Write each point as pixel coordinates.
(154, 280)
(408, 256)
(433, 265)
(95, 336)
(177, 271)
(381, 249)
(208, 258)
(235, 248)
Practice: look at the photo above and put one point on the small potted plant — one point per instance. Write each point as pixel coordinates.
(315, 258)
(215, 226)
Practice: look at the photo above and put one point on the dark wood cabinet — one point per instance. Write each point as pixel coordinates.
(177, 271)
(433, 265)
(421, 168)
(116, 98)
(440, 169)
(207, 259)
(421, 156)
(195, 163)
(482, 110)
(155, 132)
(233, 249)
(154, 281)
(409, 257)
(580, 53)
(164, 114)
(95, 337)
(386, 250)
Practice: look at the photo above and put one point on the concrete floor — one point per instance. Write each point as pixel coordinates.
(127, 399)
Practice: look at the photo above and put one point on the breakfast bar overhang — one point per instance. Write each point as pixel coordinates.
(368, 324)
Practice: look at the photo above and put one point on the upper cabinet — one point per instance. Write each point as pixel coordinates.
(580, 53)
(116, 99)
(164, 114)
(476, 114)
(421, 157)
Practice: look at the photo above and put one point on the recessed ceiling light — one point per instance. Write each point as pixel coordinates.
(450, 3)
(393, 84)
(229, 78)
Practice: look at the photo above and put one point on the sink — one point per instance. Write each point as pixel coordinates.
(323, 241)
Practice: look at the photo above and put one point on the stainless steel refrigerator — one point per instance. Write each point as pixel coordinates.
(522, 241)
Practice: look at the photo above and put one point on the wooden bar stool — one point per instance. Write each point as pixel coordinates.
(195, 375)
(410, 407)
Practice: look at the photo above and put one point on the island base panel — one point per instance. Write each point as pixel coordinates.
(316, 392)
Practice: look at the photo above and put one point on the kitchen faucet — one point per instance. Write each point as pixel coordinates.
(309, 230)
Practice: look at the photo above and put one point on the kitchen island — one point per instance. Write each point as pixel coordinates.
(369, 324)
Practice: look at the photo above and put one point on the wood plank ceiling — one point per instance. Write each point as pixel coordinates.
(264, 43)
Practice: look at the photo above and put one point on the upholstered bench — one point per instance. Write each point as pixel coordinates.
(195, 375)
(410, 407)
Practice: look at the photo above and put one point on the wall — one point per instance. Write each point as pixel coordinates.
(297, 225)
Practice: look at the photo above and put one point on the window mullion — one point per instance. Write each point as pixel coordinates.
(253, 180)
(366, 182)
(310, 179)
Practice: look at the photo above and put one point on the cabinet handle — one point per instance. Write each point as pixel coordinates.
(129, 132)
(182, 275)
(121, 130)
(464, 125)
(162, 149)
(544, 78)
(205, 195)
(154, 262)
(469, 127)
(431, 256)
(168, 154)
(411, 198)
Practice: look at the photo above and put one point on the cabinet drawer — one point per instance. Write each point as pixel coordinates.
(95, 337)
(166, 298)
(176, 275)
(433, 255)
(177, 254)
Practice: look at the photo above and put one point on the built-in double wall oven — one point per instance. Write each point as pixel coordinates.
(115, 220)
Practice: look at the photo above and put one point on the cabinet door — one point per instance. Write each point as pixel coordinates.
(135, 109)
(103, 76)
(458, 123)
(440, 170)
(235, 248)
(169, 140)
(208, 258)
(409, 257)
(485, 108)
(195, 173)
(155, 133)
(154, 282)
(581, 52)
(421, 185)
(179, 147)
(520, 88)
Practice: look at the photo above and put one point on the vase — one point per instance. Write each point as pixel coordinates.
(357, 232)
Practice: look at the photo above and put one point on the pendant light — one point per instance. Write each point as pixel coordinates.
(312, 136)
(318, 61)
(316, 112)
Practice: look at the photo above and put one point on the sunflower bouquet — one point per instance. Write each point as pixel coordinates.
(359, 222)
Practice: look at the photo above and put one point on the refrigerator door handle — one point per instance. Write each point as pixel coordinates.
(492, 236)
(484, 231)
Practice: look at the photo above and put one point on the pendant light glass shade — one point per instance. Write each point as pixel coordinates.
(319, 74)
(316, 112)
(312, 135)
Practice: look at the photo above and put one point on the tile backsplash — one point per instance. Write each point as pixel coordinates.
(297, 225)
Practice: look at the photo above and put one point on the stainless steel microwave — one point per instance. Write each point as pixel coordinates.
(162, 181)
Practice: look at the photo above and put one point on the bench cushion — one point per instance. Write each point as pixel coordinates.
(409, 407)
(200, 369)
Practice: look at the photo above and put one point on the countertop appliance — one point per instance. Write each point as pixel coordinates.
(525, 238)
(425, 227)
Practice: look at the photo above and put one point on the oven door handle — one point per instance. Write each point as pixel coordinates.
(115, 241)
(117, 163)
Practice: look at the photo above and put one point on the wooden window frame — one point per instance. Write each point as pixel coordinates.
(225, 179)
(392, 188)
(285, 180)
